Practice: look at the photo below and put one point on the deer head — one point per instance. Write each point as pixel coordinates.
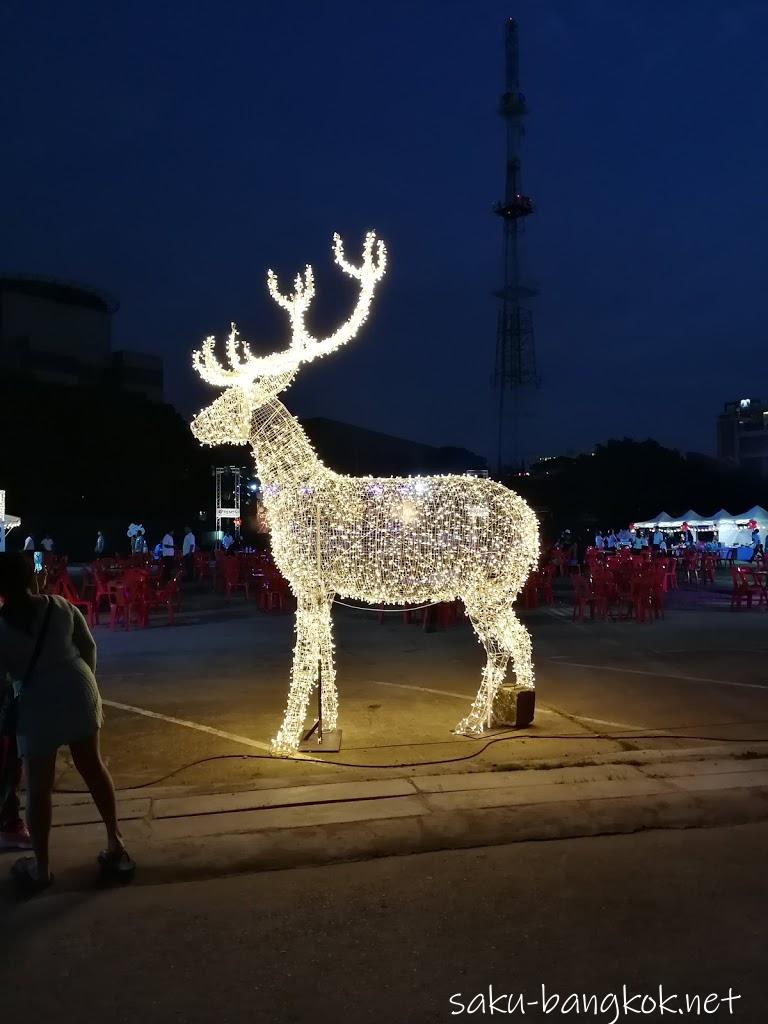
(251, 380)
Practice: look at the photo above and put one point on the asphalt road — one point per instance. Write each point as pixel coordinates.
(222, 674)
(393, 940)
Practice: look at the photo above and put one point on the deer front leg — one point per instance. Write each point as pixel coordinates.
(306, 659)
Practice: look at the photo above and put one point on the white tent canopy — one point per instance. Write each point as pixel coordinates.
(732, 529)
(756, 512)
(667, 522)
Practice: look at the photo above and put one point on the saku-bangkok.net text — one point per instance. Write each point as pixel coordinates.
(609, 1007)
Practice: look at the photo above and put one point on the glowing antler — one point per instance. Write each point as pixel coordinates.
(241, 370)
(369, 273)
(304, 347)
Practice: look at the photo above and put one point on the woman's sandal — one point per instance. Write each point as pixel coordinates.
(27, 882)
(117, 865)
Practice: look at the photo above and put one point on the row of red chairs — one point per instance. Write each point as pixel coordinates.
(129, 598)
(60, 582)
(747, 584)
(133, 596)
(130, 592)
(538, 587)
(257, 574)
(640, 595)
(694, 565)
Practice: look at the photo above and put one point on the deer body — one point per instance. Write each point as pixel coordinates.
(392, 540)
(395, 539)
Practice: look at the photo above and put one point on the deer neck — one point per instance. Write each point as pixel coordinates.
(284, 454)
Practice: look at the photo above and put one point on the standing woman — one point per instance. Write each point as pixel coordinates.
(47, 650)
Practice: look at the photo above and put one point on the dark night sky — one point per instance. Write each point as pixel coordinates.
(170, 152)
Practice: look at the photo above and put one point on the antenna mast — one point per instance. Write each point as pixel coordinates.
(515, 352)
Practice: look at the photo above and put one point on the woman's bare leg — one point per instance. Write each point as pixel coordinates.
(41, 771)
(86, 756)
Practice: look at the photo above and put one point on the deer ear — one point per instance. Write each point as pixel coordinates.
(225, 421)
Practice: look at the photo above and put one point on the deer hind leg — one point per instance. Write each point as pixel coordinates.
(503, 636)
(304, 674)
(329, 697)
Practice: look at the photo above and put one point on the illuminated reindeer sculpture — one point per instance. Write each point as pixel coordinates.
(393, 540)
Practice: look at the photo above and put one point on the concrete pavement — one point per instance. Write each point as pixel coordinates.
(392, 940)
(176, 836)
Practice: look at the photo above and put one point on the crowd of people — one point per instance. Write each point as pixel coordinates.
(637, 540)
(164, 551)
(654, 539)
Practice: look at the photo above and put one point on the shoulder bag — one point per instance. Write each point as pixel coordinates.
(9, 708)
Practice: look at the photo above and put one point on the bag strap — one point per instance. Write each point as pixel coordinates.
(39, 642)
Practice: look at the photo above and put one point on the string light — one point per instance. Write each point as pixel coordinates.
(396, 540)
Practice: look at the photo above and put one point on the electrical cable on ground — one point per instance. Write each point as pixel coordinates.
(421, 764)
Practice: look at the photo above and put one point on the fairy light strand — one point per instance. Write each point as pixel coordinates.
(393, 540)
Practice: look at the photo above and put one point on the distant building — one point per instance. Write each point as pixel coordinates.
(742, 434)
(61, 333)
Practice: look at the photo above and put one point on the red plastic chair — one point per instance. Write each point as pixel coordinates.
(98, 582)
(136, 577)
(691, 565)
(529, 595)
(233, 578)
(201, 565)
(670, 574)
(167, 595)
(560, 561)
(582, 598)
(760, 586)
(658, 582)
(604, 593)
(708, 568)
(69, 592)
(641, 592)
(275, 593)
(544, 583)
(742, 589)
(125, 604)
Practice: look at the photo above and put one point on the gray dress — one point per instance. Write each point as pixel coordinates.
(61, 703)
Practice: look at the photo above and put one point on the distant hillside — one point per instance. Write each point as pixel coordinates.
(361, 452)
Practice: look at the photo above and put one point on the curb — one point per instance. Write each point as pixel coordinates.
(187, 838)
(319, 845)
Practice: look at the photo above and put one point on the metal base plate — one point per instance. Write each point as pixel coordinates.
(329, 744)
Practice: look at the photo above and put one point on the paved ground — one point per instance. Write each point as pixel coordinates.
(181, 836)
(393, 940)
(223, 672)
